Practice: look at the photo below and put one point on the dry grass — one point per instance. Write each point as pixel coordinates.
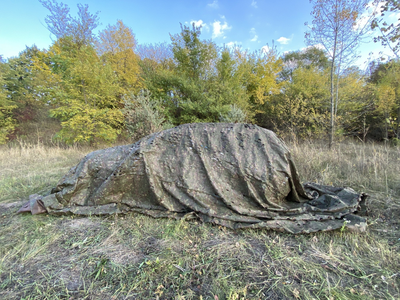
(33, 168)
(136, 257)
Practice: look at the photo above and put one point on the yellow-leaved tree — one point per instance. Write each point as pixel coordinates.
(83, 89)
(385, 101)
(116, 45)
(299, 109)
(85, 99)
(262, 83)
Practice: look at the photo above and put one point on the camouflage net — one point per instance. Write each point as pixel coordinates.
(235, 175)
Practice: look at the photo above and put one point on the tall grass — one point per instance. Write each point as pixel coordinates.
(32, 168)
(372, 168)
(136, 257)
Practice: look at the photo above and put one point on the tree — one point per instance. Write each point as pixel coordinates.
(262, 79)
(386, 99)
(307, 58)
(84, 90)
(386, 78)
(158, 53)
(21, 83)
(299, 110)
(336, 26)
(116, 45)
(7, 122)
(85, 96)
(187, 83)
(356, 103)
(143, 115)
(205, 83)
(390, 33)
(62, 24)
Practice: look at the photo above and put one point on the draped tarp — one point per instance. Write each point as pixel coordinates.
(236, 175)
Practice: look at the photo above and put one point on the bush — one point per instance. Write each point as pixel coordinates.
(143, 115)
(234, 115)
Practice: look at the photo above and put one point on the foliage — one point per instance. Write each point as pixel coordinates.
(21, 97)
(187, 83)
(85, 98)
(21, 82)
(116, 46)
(7, 122)
(234, 115)
(299, 110)
(83, 123)
(203, 82)
(85, 80)
(390, 33)
(143, 115)
(386, 78)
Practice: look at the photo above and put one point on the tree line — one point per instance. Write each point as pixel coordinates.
(103, 86)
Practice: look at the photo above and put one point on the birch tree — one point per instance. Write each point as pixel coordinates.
(339, 26)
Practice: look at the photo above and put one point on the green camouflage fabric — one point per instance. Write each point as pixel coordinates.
(235, 175)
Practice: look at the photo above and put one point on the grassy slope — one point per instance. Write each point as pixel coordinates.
(137, 257)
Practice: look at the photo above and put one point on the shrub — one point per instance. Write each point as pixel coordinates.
(143, 115)
(234, 115)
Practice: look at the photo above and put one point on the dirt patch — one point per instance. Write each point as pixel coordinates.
(72, 279)
(81, 223)
(120, 254)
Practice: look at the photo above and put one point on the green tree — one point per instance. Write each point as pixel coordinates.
(85, 91)
(143, 115)
(385, 100)
(204, 83)
(7, 122)
(386, 78)
(188, 83)
(356, 103)
(21, 83)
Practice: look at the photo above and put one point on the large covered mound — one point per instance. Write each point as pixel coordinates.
(236, 175)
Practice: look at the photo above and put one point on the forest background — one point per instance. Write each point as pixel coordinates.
(91, 89)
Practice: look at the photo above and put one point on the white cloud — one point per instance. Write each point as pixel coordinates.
(254, 4)
(200, 23)
(318, 46)
(253, 32)
(282, 40)
(233, 45)
(219, 28)
(213, 5)
(373, 9)
(265, 48)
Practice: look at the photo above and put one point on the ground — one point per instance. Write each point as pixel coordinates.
(137, 257)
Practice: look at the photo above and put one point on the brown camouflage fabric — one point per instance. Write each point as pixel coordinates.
(235, 175)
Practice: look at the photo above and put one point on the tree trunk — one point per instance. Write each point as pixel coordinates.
(332, 125)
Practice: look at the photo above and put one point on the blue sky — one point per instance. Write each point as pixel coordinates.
(249, 23)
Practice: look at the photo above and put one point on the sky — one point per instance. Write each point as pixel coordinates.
(252, 24)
